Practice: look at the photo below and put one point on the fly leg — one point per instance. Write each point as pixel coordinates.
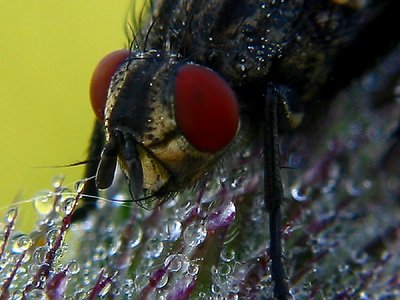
(394, 148)
(273, 192)
(91, 190)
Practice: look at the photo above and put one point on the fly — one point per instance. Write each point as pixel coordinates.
(203, 77)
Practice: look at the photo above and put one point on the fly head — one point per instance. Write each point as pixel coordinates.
(166, 122)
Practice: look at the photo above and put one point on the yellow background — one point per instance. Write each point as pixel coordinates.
(48, 50)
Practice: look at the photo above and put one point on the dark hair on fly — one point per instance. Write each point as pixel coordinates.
(137, 20)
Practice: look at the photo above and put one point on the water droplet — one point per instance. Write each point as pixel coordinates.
(214, 270)
(100, 254)
(193, 269)
(21, 244)
(317, 245)
(127, 286)
(18, 296)
(40, 254)
(307, 286)
(73, 268)
(52, 235)
(222, 217)
(79, 186)
(300, 194)
(235, 288)
(37, 294)
(136, 237)
(104, 291)
(224, 269)
(257, 215)
(44, 202)
(172, 230)
(154, 249)
(227, 255)
(11, 215)
(359, 257)
(343, 268)
(163, 281)
(141, 281)
(356, 187)
(365, 296)
(67, 204)
(194, 235)
(174, 262)
(57, 181)
(215, 288)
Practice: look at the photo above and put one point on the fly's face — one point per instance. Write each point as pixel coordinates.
(165, 121)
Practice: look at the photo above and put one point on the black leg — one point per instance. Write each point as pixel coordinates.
(95, 148)
(274, 193)
(388, 160)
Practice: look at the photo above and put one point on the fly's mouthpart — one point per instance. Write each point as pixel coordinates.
(132, 165)
(107, 165)
(142, 169)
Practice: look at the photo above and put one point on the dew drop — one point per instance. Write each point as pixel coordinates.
(136, 237)
(300, 194)
(224, 269)
(100, 254)
(193, 269)
(215, 289)
(57, 181)
(365, 296)
(141, 281)
(52, 235)
(257, 215)
(174, 262)
(154, 249)
(127, 286)
(11, 215)
(344, 268)
(357, 188)
(227, 255)
(79, 186)
(40, 254)
(79, 294)
(316, 245)
(73, 268)
(360, 257)
(163, 281)
(37, 294)
(67, 204)
(104, 291)
(172, 230)
(307, 286)
(44, 202)
(234, 289)
(214, 270)
(194, 235)
(21, 244)
(19, 296)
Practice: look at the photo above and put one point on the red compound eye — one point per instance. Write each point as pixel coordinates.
(101, 79)
(206, 108)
